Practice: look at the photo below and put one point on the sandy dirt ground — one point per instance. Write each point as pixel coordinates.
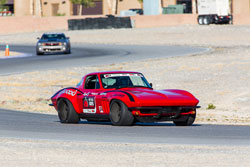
(219, 79)
(23, 153)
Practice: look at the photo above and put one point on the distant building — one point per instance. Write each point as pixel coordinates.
(65, 7)
(103, 7)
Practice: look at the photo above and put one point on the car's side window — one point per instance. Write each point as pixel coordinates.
(92, 82)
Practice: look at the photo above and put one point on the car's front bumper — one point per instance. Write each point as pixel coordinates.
(51, 49)
(163, 113)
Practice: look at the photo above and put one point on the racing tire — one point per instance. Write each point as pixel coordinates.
(119, 114)
(188, 122)
(66, 112)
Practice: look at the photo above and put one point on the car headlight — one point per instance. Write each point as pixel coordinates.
(39, 44)
(64, 43)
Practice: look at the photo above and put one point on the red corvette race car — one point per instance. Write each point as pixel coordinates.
(123, 97)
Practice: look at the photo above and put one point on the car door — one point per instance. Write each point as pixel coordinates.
(90, 95)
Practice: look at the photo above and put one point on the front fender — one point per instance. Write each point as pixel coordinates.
(70, 94)
(125, 97)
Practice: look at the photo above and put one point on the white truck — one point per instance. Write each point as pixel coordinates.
(213, 11)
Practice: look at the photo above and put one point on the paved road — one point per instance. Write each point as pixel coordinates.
(85, 55)
(40, 126)
(15, 124)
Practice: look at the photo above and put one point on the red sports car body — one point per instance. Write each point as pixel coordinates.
(123, 97)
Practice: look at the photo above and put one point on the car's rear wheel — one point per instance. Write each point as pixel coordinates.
(66, 112)
(119, 114)
(188, 122)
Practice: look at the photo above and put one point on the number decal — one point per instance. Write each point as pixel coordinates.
(89, 105)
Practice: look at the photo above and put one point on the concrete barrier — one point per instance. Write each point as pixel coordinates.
(241, 19)
(99, 23)
(163, 20)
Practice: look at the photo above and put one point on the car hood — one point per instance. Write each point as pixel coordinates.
(148, 97)
(52, 40)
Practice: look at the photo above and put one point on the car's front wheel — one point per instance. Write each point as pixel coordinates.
(66, 112)
(39, 53)
(119, 114)
(188, 122)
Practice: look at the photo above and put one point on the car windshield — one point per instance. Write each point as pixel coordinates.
(124, 80)
(53, 36)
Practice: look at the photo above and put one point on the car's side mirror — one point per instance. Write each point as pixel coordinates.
(151, 85)
(68, 37)
(37, 38)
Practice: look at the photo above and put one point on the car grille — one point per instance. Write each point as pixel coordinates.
(52, 44)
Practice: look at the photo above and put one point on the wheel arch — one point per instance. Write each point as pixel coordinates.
(126, 102)
(75, 106)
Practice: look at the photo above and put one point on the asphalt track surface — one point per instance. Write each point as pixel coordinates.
(86, 55)
(15, 124)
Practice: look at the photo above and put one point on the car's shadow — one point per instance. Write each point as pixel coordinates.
(136, 124)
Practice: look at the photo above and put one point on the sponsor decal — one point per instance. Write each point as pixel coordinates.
(86, 94)
(100, 108)
(121, 75)
(89, 111)
(71, 92)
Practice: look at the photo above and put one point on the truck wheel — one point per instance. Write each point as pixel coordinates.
(200, 20)
(119, 114)
(66, 112)
(206, 21)
(190, 120)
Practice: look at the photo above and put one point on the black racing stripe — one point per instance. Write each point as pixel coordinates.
(128, 94)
